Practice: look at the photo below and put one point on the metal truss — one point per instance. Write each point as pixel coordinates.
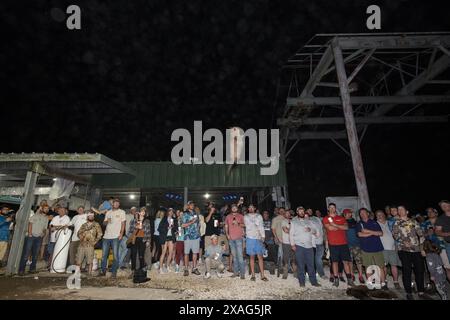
(339, 84)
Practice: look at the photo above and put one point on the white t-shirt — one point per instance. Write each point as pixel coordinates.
(285, 224)
(77, 222)
(387, 239)
(56, 222)
(113, 227)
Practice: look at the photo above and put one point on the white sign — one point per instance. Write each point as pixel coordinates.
(345, 203)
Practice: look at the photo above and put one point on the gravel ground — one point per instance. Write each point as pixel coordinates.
(174, 286)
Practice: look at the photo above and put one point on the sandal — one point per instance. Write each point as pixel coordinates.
(253, 278)
(264, 279)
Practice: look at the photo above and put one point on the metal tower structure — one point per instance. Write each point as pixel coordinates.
(339, 84)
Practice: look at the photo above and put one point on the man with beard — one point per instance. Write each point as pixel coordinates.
(255, 235)
(301, 236)
(89, 234)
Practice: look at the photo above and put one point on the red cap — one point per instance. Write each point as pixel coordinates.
(347, 211)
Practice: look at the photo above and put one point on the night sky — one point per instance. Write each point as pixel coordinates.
(140, 69)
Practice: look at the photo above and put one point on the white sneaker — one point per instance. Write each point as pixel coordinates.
(169, 269)
(207, 275)
(162, 270)
(219, 275)
(177, 268)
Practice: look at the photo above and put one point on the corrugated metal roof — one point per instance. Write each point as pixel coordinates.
(168, 175)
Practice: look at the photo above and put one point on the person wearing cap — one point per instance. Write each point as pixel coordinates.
(190, 224)
(123, 250)
(77, 221)
(115, 228)
(301, 237)
(354, 244)
(254, 240)
(234, 229)
(88, 234)
(213, 257)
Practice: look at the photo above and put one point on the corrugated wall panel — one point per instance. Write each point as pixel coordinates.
(169, 175)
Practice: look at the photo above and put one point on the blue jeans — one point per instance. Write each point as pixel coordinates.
(32, 246)
(320, 249)
(123, 250)
(236, 247)
(114, 244)
(304, 257)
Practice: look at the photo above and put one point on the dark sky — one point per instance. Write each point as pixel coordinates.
(140, 69)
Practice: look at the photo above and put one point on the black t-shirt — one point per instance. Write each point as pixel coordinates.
(444, 222)
(213, 225)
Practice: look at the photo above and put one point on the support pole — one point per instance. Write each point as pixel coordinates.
(22, 217)
(185, 198)
(350, 125)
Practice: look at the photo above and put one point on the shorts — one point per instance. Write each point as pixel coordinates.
(193, 245)
(254, 247)
(340, 253)
(391, 257)
(444, 258)
(373, 258)
(170, 238)
(85, 252)
(356, 255)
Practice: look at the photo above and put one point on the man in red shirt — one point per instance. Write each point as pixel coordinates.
(336, 227)
(234, 229)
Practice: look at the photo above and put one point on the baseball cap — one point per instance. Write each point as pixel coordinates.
(190, 202)
(347, 211)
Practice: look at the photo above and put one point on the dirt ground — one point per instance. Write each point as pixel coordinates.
(172, 286)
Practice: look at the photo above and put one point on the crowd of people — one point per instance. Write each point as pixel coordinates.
(296, 242)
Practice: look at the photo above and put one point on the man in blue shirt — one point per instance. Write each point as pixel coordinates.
(369, 233)
(353, 243)
(190, 224)
(5, 221)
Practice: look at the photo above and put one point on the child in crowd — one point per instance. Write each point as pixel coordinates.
(436, 268)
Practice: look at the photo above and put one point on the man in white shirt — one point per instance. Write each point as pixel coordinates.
(115, 227)
(77, 221)
(302, 234)
(59, 222)
(254, 243)
(390, 253)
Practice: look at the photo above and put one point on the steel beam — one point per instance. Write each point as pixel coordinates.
(387, 100)
(394, 42)
(364, 120)
(21, 227)
(350, 125)
(418, 82)
(318, 73)
(317, 135)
